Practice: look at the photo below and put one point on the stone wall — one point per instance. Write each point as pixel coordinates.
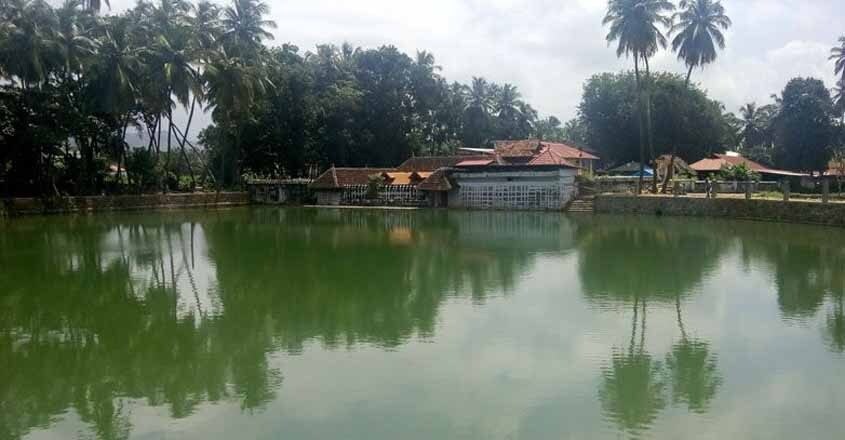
(765, 210)
(626, 184)
(32, 206)
(280, 192)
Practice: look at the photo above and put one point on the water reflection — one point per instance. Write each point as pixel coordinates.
(632, 388)
(187, 308)
(622, 260)
(665, 261)
(103, 318)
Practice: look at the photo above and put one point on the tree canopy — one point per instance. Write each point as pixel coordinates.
(683, 116)
(76, 85)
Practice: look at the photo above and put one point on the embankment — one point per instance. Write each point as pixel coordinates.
(832, 214)
(34, 206)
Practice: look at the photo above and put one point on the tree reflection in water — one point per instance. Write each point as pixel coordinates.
(664, 261)
(181, 309)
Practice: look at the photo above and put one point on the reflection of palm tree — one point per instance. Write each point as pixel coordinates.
(695, 377)
(835, 325)
(632, 391)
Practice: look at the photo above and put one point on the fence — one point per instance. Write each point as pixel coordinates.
(629, 185)
(388, 195)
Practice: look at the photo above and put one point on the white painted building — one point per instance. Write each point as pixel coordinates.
(549, 187)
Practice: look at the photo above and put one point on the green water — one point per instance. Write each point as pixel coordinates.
(352, 324)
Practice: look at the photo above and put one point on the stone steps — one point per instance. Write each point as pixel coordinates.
(581, 205)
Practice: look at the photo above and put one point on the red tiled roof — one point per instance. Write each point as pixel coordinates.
(531, 147)
(432, 163)
(718, 161)
(569, 152)
(475, 163)
(551, 157)
(514, 149)
(335, 178)
(437, 181)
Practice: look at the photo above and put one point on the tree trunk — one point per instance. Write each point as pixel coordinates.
(640, 122)
(169, 145)
(185, 139)
(205, 164)
(670, 171)
(689, 74)
(650, 129)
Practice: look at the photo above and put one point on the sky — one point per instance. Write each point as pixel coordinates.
(549, 48)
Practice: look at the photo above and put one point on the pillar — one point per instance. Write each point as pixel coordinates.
(785, 187)
(825, 190)
(748, 186)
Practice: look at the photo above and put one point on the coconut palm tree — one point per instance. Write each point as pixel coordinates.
(95, 5)
(232, 86)
(839, 98)
(28, 41)
(114, 78)
(698, 32)
(837, 55)
(480, 95)
(206, 25)
(636, 27)
(244, 27)
(73, 45)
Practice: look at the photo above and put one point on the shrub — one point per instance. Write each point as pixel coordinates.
(739, 173)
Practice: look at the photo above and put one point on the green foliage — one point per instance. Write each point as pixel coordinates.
(276, 111)
(374, 184)
(142, 170)
(683, 116)
(804, 129)
(739, 173)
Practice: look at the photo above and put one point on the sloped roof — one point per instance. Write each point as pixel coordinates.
(437, 181)
(718, 161)
(550, 156)
(569, 152)
(631, 168)
(335, 178)
(533, 147)
(404, 178)
(433, 163)
(475, 162)
(514, 149)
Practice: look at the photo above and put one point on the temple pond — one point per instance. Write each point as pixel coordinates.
(354, 324)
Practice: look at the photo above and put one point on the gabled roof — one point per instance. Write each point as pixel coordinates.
(532, 147)
(433, 163)
(569, 152)
(437, 181)
(476, 162)
(630, 168)
(550, 156)
(718, 161)
(516, 149)
(335, 178)
(404, 178)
